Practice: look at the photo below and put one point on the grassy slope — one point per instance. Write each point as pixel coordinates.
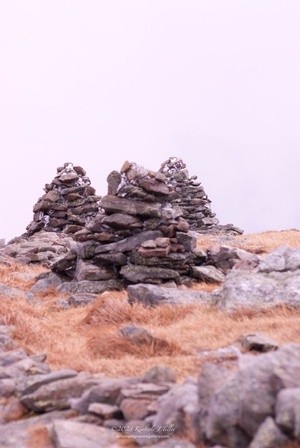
(87, 338)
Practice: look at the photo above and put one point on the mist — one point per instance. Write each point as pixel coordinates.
(97, 83)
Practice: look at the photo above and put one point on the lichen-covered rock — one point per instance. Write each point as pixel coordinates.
(247, 397)
(151, 295)
(287, 411)
(208, 274)
(70, 434)
(268, 435)
(243, 289)
(56, 394)
(178, 411)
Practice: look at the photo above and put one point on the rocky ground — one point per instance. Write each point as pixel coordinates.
(136, 319)
(211, 362)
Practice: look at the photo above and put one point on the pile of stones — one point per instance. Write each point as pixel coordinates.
(138, 236)
(138, 232)
(192, 198)
(68, 203)
(252, 401)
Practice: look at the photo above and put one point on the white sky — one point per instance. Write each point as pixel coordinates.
(97, 82)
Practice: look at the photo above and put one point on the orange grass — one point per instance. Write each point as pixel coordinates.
(19, 276)
(87, 338)
(253, 242)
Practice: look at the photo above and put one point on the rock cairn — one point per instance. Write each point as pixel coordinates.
(191, 196)
(68, 204)
(138, 236)
(192, 199)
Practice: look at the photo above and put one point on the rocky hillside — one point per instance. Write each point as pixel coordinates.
(121, 326)
(214, 363)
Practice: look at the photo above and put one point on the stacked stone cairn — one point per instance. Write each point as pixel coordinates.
(192, 199)
(139, 236)
(68, 204)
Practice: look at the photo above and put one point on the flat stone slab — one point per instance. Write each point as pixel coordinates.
(56, 395)
(69, 434)
(151, 295)
(208, 274)
(145, 274)
(86, 286)
(114, 204)
(18, 434)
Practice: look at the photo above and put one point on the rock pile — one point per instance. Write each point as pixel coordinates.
(192, 198)
(255, 407)
(275, 281)
(251, 403)
(42, 247)
(140, 237)
(68, 203)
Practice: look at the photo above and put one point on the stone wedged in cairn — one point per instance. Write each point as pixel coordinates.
(68, 203)
(192, 199)
(138, 236)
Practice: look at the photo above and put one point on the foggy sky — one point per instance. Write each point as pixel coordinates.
(97, 82)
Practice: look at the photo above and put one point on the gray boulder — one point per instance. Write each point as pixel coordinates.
(46, 281)
(88, 271)
(29, 384)
(268, 435)
(19, 434)
(144, 274)
(106, 391)
(242, 403)
(151, 295)
(261, 379)
(56, 395)
(80, 299)
(243, 289)
(178, 411)
(86, 286)
(288, 411)
(11, 356)
(208, 274)
(222, 422)
(282, 259)
(70, 434)
(211, 379)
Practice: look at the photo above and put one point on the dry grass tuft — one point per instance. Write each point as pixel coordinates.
(112, 345)
(258, 243)
(18, 275)
(85, 339)
(113, 308)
